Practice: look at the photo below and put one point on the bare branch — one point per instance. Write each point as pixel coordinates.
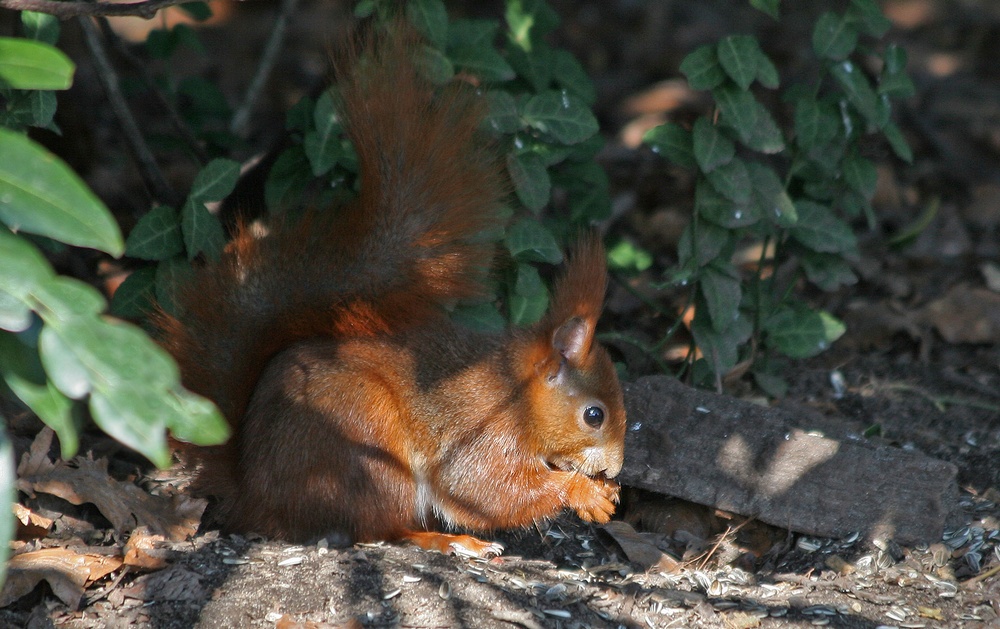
(242, 116)
(64, 10)
(194, 145)
(151, 174)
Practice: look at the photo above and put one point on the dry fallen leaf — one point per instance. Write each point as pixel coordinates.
(125, 505)
(639, 550)
(67, 572)
(966, 314)
(30, 525)
(141, 550)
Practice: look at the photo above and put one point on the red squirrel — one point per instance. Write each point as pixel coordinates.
(359, 410)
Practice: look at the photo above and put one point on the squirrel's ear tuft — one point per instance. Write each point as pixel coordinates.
(580, 290)
(576, 301)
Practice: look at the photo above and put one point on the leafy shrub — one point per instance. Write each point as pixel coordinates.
(794, 192)
(58, 351)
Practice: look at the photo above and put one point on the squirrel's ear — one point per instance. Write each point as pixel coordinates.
(577, 300)
(572, 339)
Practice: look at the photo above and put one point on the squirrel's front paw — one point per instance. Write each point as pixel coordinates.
(594, 499)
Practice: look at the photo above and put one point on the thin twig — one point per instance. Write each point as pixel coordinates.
(147, 77)
(108, 588)
(267, 60)
(151, 173)
(65, 10)
(981, 577)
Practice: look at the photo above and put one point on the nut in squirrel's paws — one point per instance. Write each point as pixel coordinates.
(595, 499)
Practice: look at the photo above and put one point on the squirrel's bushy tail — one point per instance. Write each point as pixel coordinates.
(430, 184)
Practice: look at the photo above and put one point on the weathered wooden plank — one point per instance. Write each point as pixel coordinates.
(752, 460)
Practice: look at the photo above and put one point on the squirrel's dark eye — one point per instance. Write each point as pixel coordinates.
(594, 416)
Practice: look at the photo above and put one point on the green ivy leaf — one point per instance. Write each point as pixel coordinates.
(711, 148)
(820, 230)
(472, 33)
(287, 181)
(15, 314)
(118, 355)
(720, 286)
(215, 181)
(33, 65)
(169, 275)
(482, 61)
(528, 241)
(828, 271)
(195, 419)
(134, 419)
(867, 14)
(134, 297)
(732, 180)
(434, 65)
(720, 348)
(63, 299)
(40, 27)
(529, 21)
(322, 142)
(22, 370)
(64, 369)
(22, 269)
(753, 124)
(738, 55)
(201, 229)
(673, 142)
(534, 65)
(300, 115)
(722, 211)
(773, 385)
(561, 115)
(628, 257)
(589, 191)
(31, 108)
(530, 178)
(503, 116)
(816, 123)
(767, 6)
(157, 235)
(799, 332)
(703, 242)
(860, 174)
(571, 76)
(894, 80)
(39, 194)
(834, 37)
(771, 196)
(530, 299)
(702, 68)
(430, 18)
(767, 73)
(43, 109)
(858, 90)
(898, 143)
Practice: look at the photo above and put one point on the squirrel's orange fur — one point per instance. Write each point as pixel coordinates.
(358, 409)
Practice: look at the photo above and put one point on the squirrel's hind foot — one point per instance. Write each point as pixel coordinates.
(448, 543)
